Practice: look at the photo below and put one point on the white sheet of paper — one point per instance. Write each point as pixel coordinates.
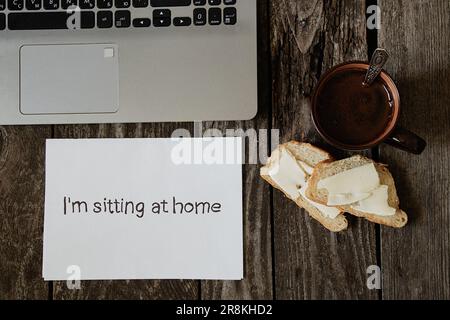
(95, 244)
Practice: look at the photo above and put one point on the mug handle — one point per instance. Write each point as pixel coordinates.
(407, 141)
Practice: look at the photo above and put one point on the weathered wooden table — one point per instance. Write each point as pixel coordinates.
(287, 255)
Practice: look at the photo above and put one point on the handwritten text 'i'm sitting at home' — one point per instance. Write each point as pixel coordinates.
(138, 209)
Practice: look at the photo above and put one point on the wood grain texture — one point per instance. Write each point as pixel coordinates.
(416, 259)
(22, 154)
(309, 37)
(287, 254)
(142, 289)
(257, 283)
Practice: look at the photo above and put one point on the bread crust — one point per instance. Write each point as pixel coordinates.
(329, 168)
(334, 225)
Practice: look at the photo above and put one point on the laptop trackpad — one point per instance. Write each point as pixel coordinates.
(63, 79)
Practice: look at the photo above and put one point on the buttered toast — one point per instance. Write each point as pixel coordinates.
(359, 186)
(289, 168)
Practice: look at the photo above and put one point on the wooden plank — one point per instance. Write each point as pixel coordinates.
(22, 154)
(416, 259)
(155, 289)
(257, 283)
(308, 37)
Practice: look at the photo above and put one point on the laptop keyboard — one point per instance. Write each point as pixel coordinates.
(108, 14)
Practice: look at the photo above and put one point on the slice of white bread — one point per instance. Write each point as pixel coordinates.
(312, 156)
(331, 168)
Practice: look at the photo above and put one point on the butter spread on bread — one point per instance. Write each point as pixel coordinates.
(377, 203)
(327, 211)
(288, 174)
(307, 168)
(360, 179)
(359, 187)
(291, 176)
(289, 168)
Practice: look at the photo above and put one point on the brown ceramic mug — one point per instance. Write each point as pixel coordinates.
(352, 116)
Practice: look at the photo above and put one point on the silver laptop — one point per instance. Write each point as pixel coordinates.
(122, 61)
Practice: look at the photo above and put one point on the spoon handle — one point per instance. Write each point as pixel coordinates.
(379, 59)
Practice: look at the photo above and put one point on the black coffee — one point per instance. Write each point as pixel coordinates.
(351, 113)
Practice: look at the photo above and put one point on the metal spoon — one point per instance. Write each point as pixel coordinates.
(379, 59)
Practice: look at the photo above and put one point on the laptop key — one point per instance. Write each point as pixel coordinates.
(199, 17)
(47, 20)
(122, 19)
(2, 21)
(104, 4)
(215, 16)
(170, 3)
(122, 3)
(65, 4)
(15, 5)
(214, 2)
(87, 4)
(141, 23)
(229, 16)
(182, 21)
(162, 13)
(33, 4)
(199, 2)
(104, 19)
(140, 3)
(161, 22)
(87, 20)
(2, 5)
(51, 4)
(229, 2)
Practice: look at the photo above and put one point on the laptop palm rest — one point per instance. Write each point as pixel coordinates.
(49, 75)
